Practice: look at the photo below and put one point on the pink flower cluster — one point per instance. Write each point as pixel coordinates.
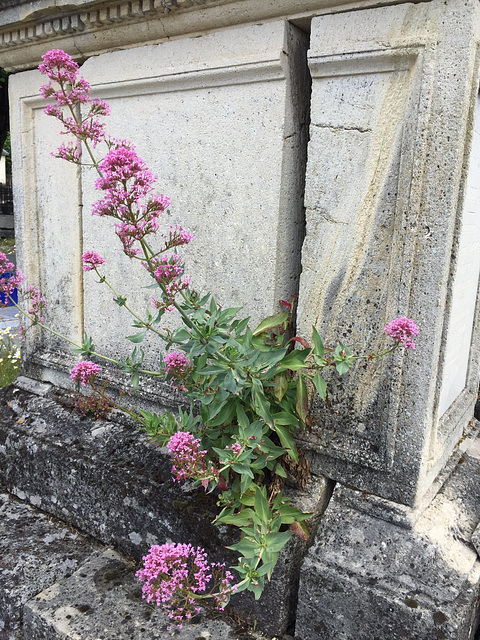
(91, 260)
(37, 302)
(125, 179)
(85, 372)
(188, 460)
(178, 366)
(402, 330)
(128, 184)
(178, 236)
(10, 278)
(59, 67)
(176, 576)
(236, 447)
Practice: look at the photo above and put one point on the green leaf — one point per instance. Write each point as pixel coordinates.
(302, 398)
(320, 385)
(243, 469)
(226, 413)
(260, 403)
(180, 335)
(120, 300)
(241, 519)
(277, 320)
(247, 548)
(248, 499)
(289, 514)
(318, 349)
(276, 541)
(135, 380)
(280, 471)
(228, 314)
(257, 589)
(245, 484)
(342, 367)
(243, 421)
(285, 418)
(239, 326)
(294, 361)
(138, 337)
(210, 370)
(287, 441)
(280, 386)
(261, 506)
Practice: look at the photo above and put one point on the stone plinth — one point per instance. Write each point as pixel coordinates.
(36, 551)
(105, 478)
(374, 573)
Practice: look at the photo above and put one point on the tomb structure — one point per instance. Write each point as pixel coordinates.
(318, 148)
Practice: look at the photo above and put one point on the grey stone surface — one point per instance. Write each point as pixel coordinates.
(393, 115)
(35, 551)
(367, 578)
(255, 78)
(103, 601)
(108, 480)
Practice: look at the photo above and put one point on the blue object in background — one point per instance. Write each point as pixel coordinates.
(4, 299)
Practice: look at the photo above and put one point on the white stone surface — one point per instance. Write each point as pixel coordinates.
(216, 120)
(393, 94)
(465, 283)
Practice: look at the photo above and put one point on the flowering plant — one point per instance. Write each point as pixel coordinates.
(248, 388)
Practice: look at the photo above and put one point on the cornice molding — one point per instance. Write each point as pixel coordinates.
(90, 27)
(56, 21)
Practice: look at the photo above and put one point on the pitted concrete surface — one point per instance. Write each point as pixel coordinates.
(34, 552)
(103, 601)
(106, 478)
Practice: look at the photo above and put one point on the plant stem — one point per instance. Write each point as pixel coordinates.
(135, 315)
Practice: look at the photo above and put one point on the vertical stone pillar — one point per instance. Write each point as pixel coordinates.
(393, 225)
(390, 232)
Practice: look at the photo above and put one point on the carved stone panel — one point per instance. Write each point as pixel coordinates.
(380, 94)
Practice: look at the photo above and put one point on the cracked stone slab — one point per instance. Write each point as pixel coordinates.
(35, 551)
(103, 601)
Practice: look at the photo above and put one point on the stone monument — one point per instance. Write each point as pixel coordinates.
(324, 148)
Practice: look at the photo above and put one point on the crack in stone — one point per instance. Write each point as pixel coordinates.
(327, 218)
(341, 127)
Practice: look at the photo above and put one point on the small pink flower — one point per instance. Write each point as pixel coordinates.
(175, 576)
(85, 372)
(236, 447)
(402, 330)
(59, 66)
(177, 364)
(91, 260)
(37, 302)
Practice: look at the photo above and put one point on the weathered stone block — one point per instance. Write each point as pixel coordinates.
(105, 478)
(221, 119)
(103, 599)
(390, 232)
(35, 551)
(371, 575)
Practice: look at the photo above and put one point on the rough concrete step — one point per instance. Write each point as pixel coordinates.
(35, 551)
(59, 584)
(102, 601)
(105, 478)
